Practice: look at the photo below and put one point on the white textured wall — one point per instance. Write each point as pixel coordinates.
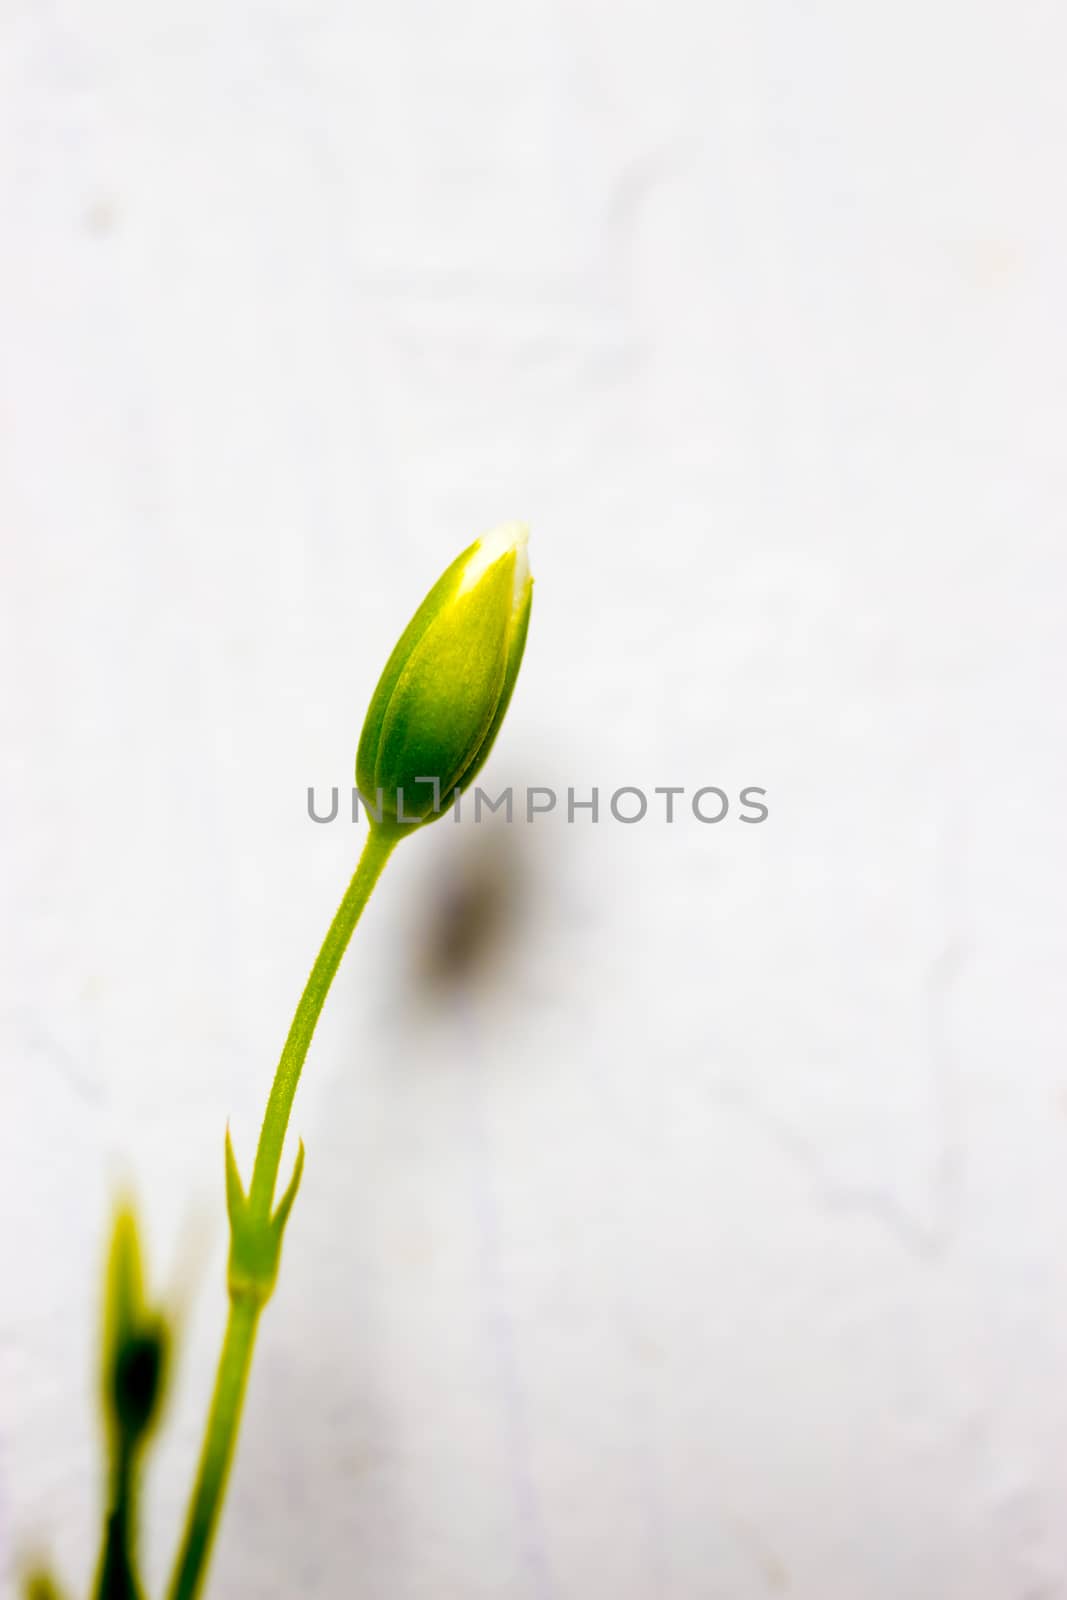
(711, 1240)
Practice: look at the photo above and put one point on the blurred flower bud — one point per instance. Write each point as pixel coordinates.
(442, 697)
(39, 1584)
(136, 1339)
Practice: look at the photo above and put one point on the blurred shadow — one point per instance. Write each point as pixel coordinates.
(474, 911)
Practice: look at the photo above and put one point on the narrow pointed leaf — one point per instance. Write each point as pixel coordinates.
(235, 1195)
(285, 1204)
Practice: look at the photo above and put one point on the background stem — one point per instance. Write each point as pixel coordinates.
(117, 1579)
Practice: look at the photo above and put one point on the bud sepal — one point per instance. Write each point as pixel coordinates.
(255, 1239)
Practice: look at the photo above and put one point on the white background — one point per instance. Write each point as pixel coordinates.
(705, 1235)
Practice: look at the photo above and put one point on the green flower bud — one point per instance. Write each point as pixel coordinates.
(442, 697)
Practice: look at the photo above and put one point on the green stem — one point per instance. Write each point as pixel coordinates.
(235, 1360)
(376, 852)
(219, 1441)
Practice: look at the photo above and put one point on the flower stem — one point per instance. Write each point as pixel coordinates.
(246, 1304)
(219, 1441)
(376, 852)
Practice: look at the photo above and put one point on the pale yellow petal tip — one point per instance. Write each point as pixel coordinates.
(510, 536)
